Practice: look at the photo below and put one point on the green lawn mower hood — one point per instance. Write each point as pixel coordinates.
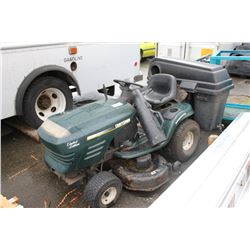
(81, 137)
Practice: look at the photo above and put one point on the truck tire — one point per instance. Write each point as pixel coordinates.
(184, 142)
(45, 97)
(103, 190)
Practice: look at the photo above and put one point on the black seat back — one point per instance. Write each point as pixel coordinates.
(161, 89)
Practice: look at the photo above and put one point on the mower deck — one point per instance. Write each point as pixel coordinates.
(147, 180)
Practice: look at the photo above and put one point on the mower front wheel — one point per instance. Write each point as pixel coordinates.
(184, 141)
(103, 190)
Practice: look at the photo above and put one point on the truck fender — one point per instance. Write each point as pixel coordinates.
(52, 70)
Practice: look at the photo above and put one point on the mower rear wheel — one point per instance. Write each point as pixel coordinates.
(184, 141)
(103, 190)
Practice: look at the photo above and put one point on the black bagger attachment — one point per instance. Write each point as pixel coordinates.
(208, 85)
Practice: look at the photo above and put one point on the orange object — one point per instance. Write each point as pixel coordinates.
(72, 50)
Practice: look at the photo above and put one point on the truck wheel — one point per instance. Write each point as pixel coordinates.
(45, 97)
(103, 190)
(184, 141)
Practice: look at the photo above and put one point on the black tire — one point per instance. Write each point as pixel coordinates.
(100, 183)
(39, 85)
(175, 149)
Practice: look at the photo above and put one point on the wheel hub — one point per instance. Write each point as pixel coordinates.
(109, 196)
(44, 102)
(49, 102)
(188, 141)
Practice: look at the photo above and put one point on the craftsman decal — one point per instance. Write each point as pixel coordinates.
(106, 131)
(120, 124)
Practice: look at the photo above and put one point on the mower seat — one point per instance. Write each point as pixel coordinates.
(161, 89)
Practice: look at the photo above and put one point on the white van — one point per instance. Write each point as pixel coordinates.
(37, 81)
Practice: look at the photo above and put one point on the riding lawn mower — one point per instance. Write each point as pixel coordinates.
(134, 141)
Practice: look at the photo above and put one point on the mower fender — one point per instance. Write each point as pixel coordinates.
(173, 116)
(173, 119)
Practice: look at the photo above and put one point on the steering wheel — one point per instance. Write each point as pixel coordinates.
(124, 83)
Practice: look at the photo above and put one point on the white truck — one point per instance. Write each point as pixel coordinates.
(37, 81)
